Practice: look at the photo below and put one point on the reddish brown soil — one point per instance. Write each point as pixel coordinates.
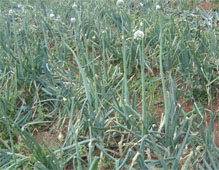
(216, 132)
(50, 138)
(51, 135)
(204, 5)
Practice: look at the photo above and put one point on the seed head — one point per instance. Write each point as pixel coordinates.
(141, 4)
(119, 2)
(157, 7)
(11, 11)
(61, 137)
(51, 15)
(139, 35)
(74, 5)
(73, 20)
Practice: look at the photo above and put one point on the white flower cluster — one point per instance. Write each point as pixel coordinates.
(139, 35)
(157, 7)
(51, 15)
(11, 11)
(20, 7)
(74, 5)
(119, 2)
(73, 20)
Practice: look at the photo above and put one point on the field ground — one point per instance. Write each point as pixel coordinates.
(107, 84)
